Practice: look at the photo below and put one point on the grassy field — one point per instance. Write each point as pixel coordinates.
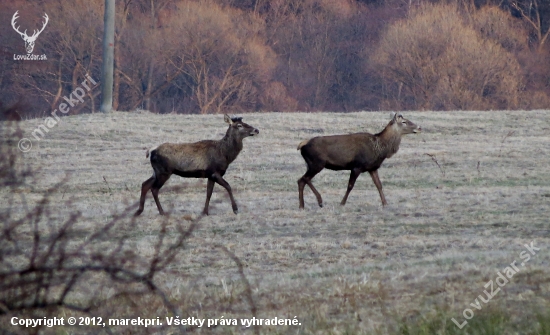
(464, 196)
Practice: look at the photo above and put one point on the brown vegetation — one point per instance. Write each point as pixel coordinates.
(219, 56)
(440, 62)
(11, 113)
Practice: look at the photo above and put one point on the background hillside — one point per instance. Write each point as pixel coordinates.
(212, 56)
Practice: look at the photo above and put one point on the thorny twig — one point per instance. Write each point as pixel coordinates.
(432, 156)
(510, 133)
(248, 288)
(45, 262)
(108, 185)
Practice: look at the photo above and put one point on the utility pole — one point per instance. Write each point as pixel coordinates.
(108, 57)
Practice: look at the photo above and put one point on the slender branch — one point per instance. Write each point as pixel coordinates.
(434, 159)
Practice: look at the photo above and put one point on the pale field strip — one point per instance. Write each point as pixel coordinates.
(437, 242)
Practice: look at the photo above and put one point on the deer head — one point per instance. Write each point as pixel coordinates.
(403, 125)
(238, 128)
(29, 40)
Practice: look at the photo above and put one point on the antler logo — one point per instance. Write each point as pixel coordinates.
(29, 40)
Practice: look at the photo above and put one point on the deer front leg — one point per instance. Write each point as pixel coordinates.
(376, 180)
(209, 189)
(301, 186)
(218, 178)
(306, 179)
(157, 185)
(352, 178)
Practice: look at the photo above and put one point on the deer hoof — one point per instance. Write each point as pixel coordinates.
(138, 212)
(236, 211)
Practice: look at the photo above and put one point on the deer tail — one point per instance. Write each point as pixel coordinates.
(149, 151)
(304, 142)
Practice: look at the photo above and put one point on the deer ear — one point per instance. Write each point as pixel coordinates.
(227, 119)
(393, 115)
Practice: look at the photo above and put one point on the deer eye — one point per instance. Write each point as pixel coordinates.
(239, 125)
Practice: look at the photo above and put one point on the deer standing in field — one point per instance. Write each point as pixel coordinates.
(357, 152)
(204, 159)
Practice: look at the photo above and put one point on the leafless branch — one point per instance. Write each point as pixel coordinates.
(509, 134)
(434, 159)
(46, 262)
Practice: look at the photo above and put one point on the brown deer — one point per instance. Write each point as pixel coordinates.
(204, 159)
(357, 152)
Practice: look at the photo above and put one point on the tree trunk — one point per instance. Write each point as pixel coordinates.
(116, 87)
(149, 88)
(151, 65)
(117, 64)
(108, 57)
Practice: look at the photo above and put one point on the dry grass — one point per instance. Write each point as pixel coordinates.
(359, 268)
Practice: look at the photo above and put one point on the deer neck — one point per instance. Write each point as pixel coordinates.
(388, 141)
(231, 145)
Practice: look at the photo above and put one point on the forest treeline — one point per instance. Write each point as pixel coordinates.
(235, 56)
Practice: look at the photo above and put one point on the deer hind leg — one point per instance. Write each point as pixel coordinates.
(159, 182)
(209, 189)
(376, 180)
(352, 178)
(145, 187)
(306, 179)
(218, 178)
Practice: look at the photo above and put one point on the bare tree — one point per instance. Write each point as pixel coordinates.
(222, 58)
(530, 11)
(117, 59)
